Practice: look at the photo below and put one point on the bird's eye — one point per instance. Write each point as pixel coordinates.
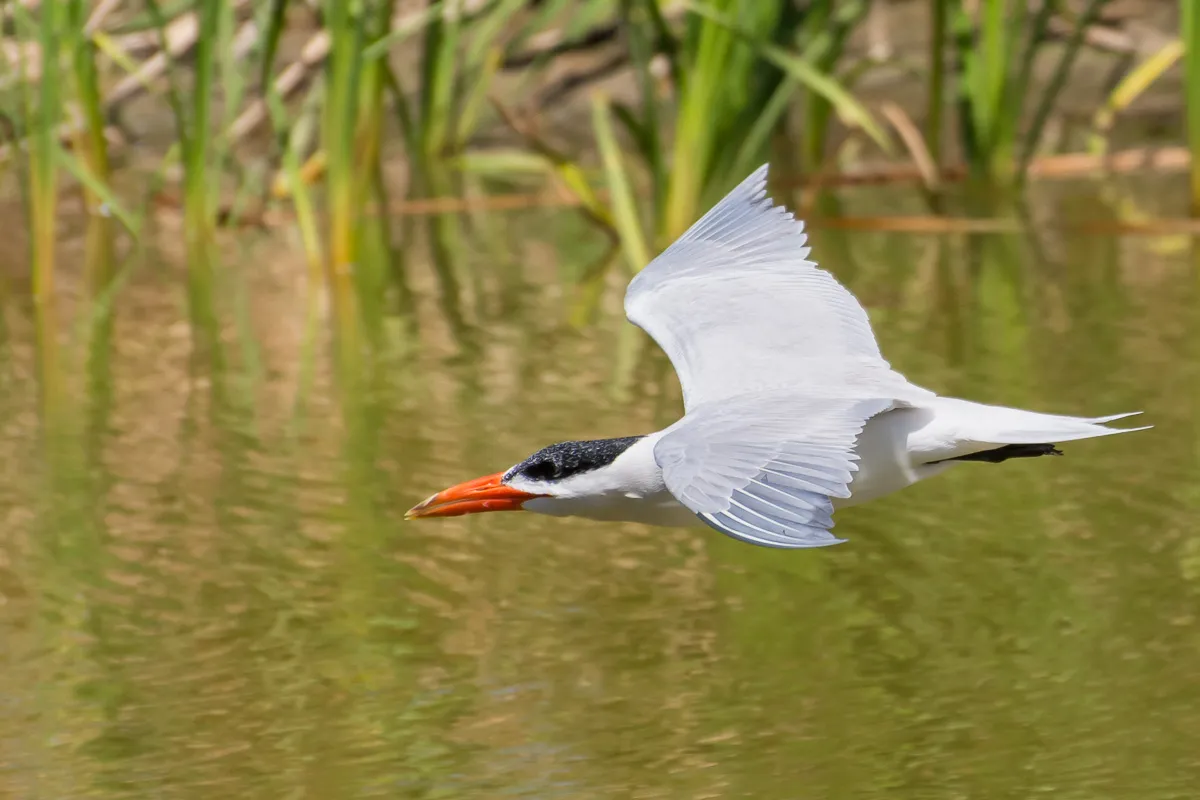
(542, 471)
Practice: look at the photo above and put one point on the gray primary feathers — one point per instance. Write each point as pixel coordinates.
(765, 470)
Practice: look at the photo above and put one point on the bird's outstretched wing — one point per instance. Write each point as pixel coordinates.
(766, 470)
(739, 308)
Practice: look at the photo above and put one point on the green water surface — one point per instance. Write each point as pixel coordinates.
(207, 588)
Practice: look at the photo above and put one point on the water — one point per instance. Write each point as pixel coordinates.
(207, 587)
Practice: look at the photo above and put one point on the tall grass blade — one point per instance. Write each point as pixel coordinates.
(1058, 80)
(43, 154)
(343, 76)
(106, 204)
(92, 147)
(625, 210)
(994, 113)
(174, 95)
(641, 21)
(375, 229)
(41, 99)
(938, 14)
(198, 204)
(276, 15)
(1190, 27)
(438, 79)
(848, 107)
(306, 215)
(824, 31)
(1130, 88)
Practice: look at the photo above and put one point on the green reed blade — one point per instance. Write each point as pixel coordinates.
(42, 108)
(484, 34)
(700, 97)
(374, 229)
(306, 217)
(475, 100)
(1055, 86)
(233, 83)
(963, 37)
(153, 17)
(1129, 89)
(411, 24)
(754, 142)
(347, 30)
(404, 113)
(1038, 32)
(991, 74)
(938, 14)
(625, 211)
(276, 16)
(641, 25)
(826, 26)
(500, 162)
(438, 76)
(640, 133)
(93, 149)
(1190, 28)
(850, 108)
(43, 153)
(174, 95)
(198, 209)
(107, 201)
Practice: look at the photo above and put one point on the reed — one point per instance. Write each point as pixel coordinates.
(196, 141)
(718, 87)
(91, 148)
(1129, 89)
(1054, 86)
(194, 138)
(939, 12)
(42, 111)
(734, 70)
(996, 48)
(347, 31)
(1190, 28)
(821, 41)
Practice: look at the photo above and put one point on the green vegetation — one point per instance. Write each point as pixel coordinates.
(205, 581)
(356, 93)
(1190, 18)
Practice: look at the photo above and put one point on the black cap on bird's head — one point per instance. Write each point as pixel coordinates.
(536, 476)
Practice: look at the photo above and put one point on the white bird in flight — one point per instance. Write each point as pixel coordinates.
(790, 409)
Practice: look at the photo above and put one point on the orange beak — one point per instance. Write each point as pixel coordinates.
(482, 494)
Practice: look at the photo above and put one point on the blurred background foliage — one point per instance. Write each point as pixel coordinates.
(364, 126)
(273, 270)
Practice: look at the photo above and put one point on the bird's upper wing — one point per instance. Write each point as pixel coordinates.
(738, 307)
(766, 470)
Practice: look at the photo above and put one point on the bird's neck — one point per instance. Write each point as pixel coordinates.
(635, 473)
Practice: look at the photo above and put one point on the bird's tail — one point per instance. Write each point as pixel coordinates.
(975, 423)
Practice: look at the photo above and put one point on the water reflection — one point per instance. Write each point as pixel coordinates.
(206, 584)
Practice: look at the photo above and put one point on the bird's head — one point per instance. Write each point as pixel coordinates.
(563, 471)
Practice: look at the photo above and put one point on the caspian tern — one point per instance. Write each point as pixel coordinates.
(790, 409)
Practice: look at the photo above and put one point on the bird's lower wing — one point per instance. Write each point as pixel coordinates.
(765, 471)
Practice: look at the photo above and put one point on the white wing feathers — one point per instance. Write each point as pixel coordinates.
(738, 308)
(764, 471)
(779, 369)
